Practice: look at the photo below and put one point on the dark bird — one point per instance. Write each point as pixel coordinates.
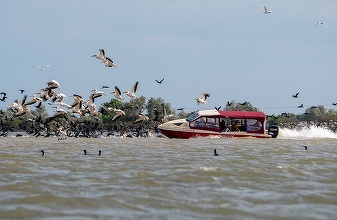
(334, 103)
(85, 152)
(305, 147)
(99, 153)
(218, 108)
(160, 81)
(180, 109)
(243, 103)
(22, 91)
(105, 87)
(215, 153)
(229, 103)
(300, 106)
(42, 152)
(296, 95)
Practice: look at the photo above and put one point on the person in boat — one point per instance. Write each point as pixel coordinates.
(235, 126)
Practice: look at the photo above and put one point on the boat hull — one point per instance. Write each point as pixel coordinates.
(191, 133)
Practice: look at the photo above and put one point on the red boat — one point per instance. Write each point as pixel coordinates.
(218, 123)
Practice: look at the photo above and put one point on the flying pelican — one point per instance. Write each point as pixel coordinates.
(53, 84)
(203, 99)
(42, 67)
(59, 112)
(108, 62)
(141, 118)
(119, 113)
(34, 100)
(100, 55)
(321, 23)
(95, 94)
(132, 93)
(166, 116)
(265, 10)
(117, 93)
(20, 107)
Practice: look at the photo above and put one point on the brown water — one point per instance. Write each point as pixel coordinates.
(159, 178)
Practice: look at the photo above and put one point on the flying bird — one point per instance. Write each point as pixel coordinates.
(265, 10)
(334, 103)
(296, 95)
(108, 62)
(141, 118)
(100, 55)
(300, 106)
(202, 100)
(321, 23)
(41, 67)
(132, 93)
(119, 113)
(21, 91)
(160, 81)
(117, 93)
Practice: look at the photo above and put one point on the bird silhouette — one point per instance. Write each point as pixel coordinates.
(296, 95)
(160, 81)
(99, 153)
(42, 151)
(215, 153)
(305, 147)
(300, 106)
(85, 152)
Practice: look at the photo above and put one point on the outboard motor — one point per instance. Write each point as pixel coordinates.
(273, 130)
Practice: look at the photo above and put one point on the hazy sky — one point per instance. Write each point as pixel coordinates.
(229, 49)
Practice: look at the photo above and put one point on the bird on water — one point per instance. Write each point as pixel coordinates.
(99, 153)
(215, 153)
(42, 151)
(85, 152)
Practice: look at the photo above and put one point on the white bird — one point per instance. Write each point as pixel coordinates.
(166, 116)
(20, 107)
(202, 100)
(132, 93)
(42, 67)
(95, 94)
(53, 84)
(117, 93)
(108, 62)
(265, 10)
(58, 114)
(34, 100)
(321, 23)
(119, 113)
(100, 55)
(141, 118)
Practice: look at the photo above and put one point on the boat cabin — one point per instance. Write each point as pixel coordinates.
(228, 121)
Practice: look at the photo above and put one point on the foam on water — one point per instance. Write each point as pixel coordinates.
(306, 133)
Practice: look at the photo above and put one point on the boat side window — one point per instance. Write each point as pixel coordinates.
(253, 125)
(204, 122)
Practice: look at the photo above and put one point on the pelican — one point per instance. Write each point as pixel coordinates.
(34, 100)
(119, 113)
(53, 84)
(77, 106)
(117, 93)
(42, 67)
(95, 94)
(141, 118)
(132, 93)
(166, 116)
(321, 23)
(265, 10)
(100, 55)
(20, 107)
(59, 112)
(108, 62)
(203, 99)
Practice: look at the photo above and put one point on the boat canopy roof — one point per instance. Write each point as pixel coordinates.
(233, 114)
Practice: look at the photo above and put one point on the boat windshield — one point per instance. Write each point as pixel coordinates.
(192, 117)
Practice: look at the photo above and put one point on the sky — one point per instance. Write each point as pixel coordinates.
(229, 49)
